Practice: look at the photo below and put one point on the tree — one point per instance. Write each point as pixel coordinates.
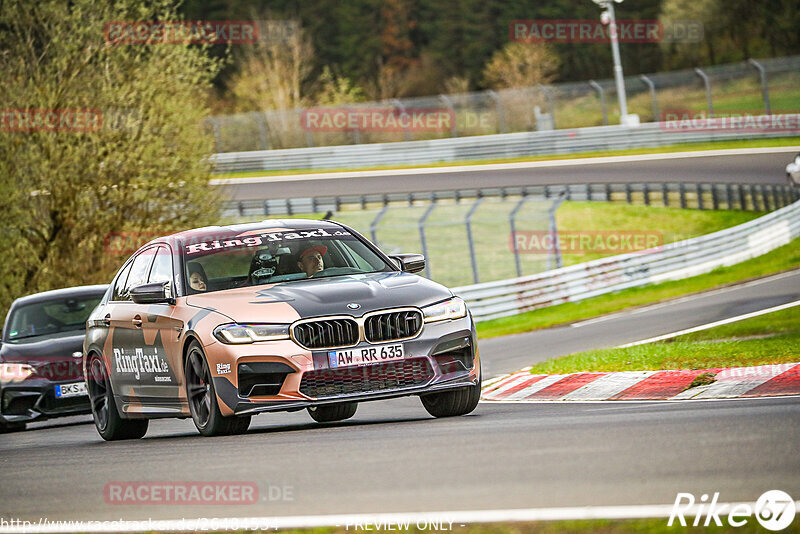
(521, 65)
(138, 164)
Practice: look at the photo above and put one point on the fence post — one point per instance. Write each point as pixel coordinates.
(652, 87)
(742, 198)
(468, 221)
(765, 198)
(262, 130)
(665, 194)
(217, 137)
(714, 197)
(266, 208)
(548, 95)
(707, 84)
(646, 193)
(754, 198)
(308, 135)
(608, 192)
(628, 195)
(373, 226)
(601, 94)
(699, 192)
(402, 107)
(764, 86)
(729, 195)
(512, 220)
(501, 118)
(553, 229)
(775, 202)
(682, 194)
(423, 242)
(449, 104)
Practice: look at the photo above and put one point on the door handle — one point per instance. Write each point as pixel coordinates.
(137, 321)
(107, 319)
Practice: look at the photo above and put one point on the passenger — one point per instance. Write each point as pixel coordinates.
(197, 277)
(310, 259)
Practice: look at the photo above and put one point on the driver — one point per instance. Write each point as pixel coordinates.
(197, 277)
(310, 259)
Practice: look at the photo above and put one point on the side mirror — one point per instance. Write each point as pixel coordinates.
(155, 293)
(409, 263)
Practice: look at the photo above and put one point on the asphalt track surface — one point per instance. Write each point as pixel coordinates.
(742, 168)
(393, 457)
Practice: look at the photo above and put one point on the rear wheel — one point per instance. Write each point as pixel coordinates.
(203, 398)
(453, 403)
(329, 413)
(107, 420)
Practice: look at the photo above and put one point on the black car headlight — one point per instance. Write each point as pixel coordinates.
(454, 308)
(250, 333)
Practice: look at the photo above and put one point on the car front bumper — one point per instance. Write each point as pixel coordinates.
(443, 356)
(30, 400)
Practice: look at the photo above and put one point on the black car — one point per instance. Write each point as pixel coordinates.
(41, 375)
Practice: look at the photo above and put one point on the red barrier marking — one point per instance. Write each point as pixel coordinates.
(786, 383)
(660, 386)
(522, 385)
(566, 385)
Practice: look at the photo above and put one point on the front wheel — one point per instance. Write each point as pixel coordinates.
(452, 403)
(329, 413)
(203, 399)
(107, 420)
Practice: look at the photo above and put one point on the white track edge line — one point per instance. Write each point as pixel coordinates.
(712, 325)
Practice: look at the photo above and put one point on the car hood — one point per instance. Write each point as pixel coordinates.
(289, 301)
(51, 357)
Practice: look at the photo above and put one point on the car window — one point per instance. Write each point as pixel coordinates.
(64, 314)
(140, 269)
(162, 266)
(119, 288)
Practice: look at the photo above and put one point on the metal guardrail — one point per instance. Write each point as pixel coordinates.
(674, 261)
(743, 197)
(498, 146)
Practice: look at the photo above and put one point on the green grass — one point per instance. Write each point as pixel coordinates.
(688, 147)
(768, 339)
(781, 259)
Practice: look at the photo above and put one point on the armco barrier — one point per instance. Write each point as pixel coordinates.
(674, 261)
(498, 146)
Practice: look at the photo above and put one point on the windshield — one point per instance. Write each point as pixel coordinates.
(65, 314)
(269, 256)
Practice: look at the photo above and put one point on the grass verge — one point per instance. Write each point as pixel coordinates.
(768, 339)
(781, 259)
(688, 147)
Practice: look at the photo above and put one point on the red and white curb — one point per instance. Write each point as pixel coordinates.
(729, 382)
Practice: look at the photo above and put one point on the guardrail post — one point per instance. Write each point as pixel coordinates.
(513, 225)
(449, 104)
(601, 95)
(608, 192)
(552, 228)
(742, 198)
(764, 85)
(652, 87)
(707, 84)
(468, 222)
(289, 209)
(775, 202)
(682, 194)
(373, 226)
(665, 194)
(501, 118)
(754, 198)
(363, 202)
(628, 194)
(313, 204)
(402, 107)
(266, 208)
(422, 240)
(699, 192)
(646, 193)
(714, 197)
(729, 196)
(588, 192)
(765, 198)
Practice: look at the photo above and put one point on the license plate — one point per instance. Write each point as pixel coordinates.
(365, 355)
(70, 390)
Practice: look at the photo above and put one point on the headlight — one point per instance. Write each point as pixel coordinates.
(15, 372)
(249, 333)
(455, 308)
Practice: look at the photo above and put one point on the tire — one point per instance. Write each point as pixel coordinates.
(110, 425)
(453, 403)
(203, 398)
(329, 413)
(5, 428)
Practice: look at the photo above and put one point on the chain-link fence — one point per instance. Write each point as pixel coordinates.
(752, 87)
